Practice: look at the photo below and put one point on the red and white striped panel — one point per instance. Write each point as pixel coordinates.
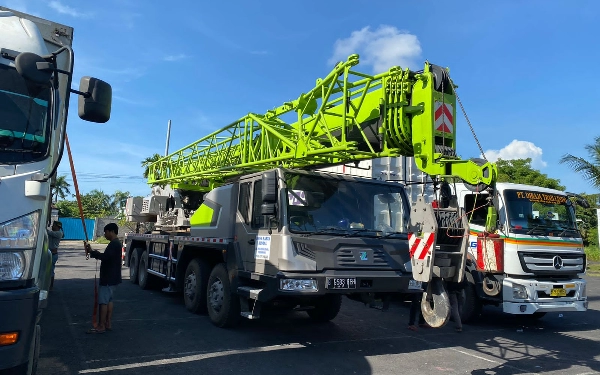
(444, 117)
(203, 239)
(157, 236)
(420, 247)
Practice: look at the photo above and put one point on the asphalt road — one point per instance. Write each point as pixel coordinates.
(153, 333)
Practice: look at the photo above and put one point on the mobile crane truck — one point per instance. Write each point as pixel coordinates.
(36, 68)
(535, 261)
(243, 221)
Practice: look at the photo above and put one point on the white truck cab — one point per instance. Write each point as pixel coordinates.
(535, 261)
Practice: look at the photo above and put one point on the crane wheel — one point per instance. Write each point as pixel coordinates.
(435, 305)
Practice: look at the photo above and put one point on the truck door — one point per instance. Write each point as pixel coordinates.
(246, 235)
(250, 226)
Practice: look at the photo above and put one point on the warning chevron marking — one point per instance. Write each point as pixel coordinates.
(444, 118)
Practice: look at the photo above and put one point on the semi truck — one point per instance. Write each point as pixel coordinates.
(36, 69)
(243, 220)
(532, 265)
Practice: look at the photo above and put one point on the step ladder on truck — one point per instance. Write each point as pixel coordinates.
(243, 221)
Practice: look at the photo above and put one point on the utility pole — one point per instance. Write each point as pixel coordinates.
(168, 137)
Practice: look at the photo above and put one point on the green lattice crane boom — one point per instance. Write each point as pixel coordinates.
(348, 116)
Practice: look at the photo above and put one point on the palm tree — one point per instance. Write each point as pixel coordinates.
(60, 188)
(118, 201)
(146, 163)
(588, 167)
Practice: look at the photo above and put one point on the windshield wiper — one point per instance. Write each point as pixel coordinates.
(389, 234)
(355, 232)
(537, 227)
(328, 230)
(565, 230)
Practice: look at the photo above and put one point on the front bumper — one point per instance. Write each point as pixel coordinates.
(366, 282)
(18, 313)
(539, 299)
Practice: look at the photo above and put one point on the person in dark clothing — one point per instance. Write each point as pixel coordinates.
(415, 308)
(455, 295)
(110, 276)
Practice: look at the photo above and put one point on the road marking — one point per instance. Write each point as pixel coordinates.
(476, 356)
(195, 357)
(142, 320)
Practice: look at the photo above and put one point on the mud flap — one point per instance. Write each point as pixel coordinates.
(435, 305)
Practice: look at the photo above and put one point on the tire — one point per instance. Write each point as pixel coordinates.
(471, 304)
(326, 308)
(134, 263)
(194, 286)
(145, 280)
(223, 306)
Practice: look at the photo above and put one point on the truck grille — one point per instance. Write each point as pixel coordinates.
(552, 263)
(361, 257)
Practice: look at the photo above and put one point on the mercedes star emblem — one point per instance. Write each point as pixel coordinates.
(558, 262)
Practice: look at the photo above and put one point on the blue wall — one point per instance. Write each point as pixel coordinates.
(73, 228)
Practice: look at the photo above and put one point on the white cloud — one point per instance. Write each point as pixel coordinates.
(178, 57)
(383, 48)
(518, 150)
(65, 9)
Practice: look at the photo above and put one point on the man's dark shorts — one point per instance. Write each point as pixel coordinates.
(106, 293)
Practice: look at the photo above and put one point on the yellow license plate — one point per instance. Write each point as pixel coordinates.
(558, 292)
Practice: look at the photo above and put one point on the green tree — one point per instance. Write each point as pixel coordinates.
(67, 208)
(60, 188)
(146, 163)
(589, 167)
(118, 200)
(589, 220)
(96, 203)
(520, 171)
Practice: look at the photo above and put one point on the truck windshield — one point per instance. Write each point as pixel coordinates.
(335, 206)
(540, 213)
(24, 119)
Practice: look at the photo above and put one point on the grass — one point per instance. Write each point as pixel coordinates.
(593, 253)
(593, 257)
(101, 240)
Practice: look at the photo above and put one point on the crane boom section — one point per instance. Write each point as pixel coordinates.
(348, 116)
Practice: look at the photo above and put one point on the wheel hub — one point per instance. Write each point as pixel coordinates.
(215, 295)
(190, 285)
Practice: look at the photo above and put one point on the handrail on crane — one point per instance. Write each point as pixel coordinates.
(347, 116)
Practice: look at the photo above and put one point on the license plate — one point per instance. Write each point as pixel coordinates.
(414, 284)
(341, 283)
(558, 292)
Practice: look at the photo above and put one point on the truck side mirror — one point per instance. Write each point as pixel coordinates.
(95, 105)
(269, 187)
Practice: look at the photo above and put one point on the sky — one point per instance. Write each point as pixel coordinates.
(526, 71)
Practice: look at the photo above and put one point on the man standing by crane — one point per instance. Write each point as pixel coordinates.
(55, 234)
(110, 276)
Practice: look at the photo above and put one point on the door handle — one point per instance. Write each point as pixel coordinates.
(251, 242)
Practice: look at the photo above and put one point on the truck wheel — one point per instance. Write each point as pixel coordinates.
(223, 306)
(326, 308)
(194, 286)
(144, 278)
(134, 263)
(471, 305)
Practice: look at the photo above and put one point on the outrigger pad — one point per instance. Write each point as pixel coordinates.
(435, 305)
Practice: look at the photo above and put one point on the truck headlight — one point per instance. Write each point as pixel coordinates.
(18, 239)
(14, 265)
(298, 284)
(519, 291)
